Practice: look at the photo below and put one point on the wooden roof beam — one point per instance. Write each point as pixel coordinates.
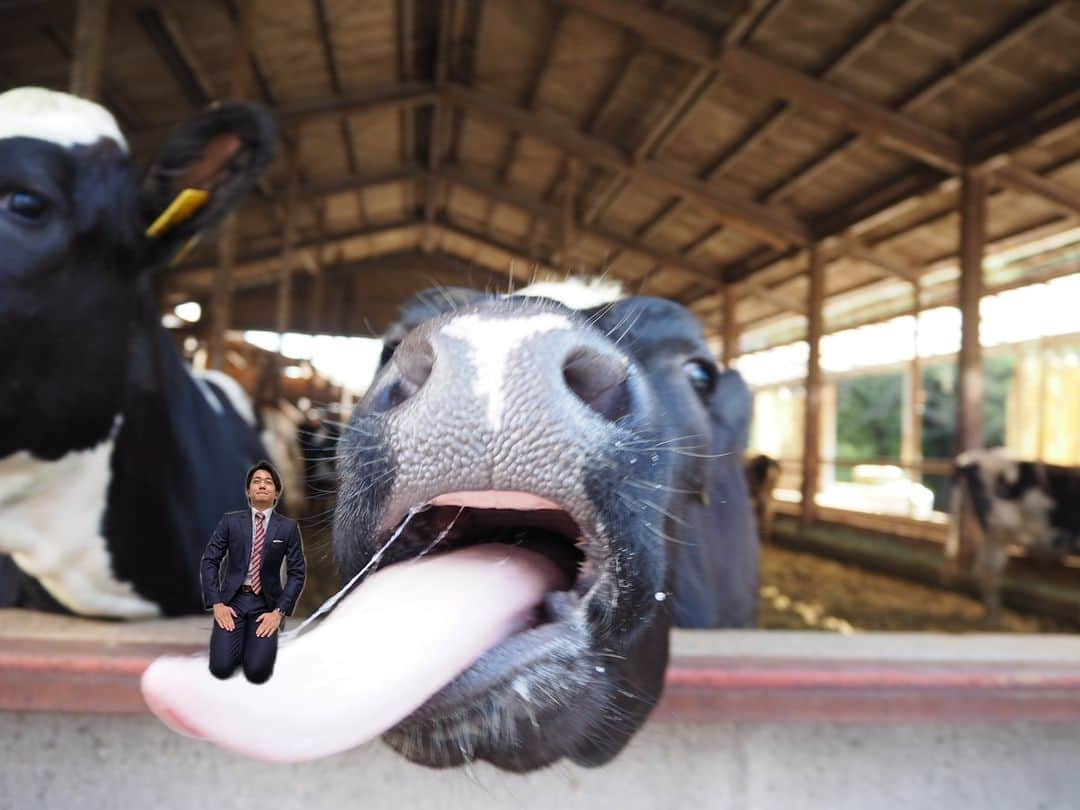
(1054, 116)
(168, 39)
(1020, 25)
(767, 224)
(677, 112)
(763, 129)
(401, 95)
(857, 249)
(88, 62)
(255, 268)
(439, 115)
(487, 240)
(1027, 181)
(686, 42)
(786, 303)
(554, 215)
(813, 96)
(659, 30)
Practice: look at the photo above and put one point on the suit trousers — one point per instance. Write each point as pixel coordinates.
(240, 646)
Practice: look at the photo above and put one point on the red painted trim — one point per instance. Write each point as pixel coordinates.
(64, 676)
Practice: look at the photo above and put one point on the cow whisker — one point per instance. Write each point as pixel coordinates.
(330, 603)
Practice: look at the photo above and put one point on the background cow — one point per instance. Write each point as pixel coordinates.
(510, 446)
(115, 462)
(762, 473)
(1035, 506)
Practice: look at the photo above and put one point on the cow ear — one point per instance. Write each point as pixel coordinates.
(716, 576)
(203, 170)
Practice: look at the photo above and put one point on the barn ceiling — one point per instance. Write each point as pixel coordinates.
(682, 147)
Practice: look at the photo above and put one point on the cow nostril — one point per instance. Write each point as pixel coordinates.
(598, 380)
(415, 360)
(411, 366)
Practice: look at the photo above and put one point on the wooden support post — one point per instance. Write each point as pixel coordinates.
(815, 325)
(568, 230)
(730, 327)
(969, 373)
(88, 59)
(911, 426)
(969, 370)
(288, 238)
(221, 300)
(318, 287)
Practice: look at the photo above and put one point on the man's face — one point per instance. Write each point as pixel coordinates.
(261, 491)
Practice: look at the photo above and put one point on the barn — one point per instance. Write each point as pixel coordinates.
(871, 212)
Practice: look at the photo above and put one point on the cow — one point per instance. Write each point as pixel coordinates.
(115, 460)
(529, 498)
(762, 473)
(1025, 503)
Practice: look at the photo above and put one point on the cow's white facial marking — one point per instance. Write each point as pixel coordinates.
(576, 293)
(490, 343)
(34, 112)
(52, 528)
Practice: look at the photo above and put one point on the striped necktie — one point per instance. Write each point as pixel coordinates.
(256, 552)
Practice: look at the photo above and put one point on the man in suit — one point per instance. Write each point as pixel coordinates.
(248, 600)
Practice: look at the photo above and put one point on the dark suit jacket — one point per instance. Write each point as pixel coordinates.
(231, 541)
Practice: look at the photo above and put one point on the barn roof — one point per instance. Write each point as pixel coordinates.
(684, 147)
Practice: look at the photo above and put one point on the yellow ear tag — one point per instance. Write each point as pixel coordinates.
(183, 207)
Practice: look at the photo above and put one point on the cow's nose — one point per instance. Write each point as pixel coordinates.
(599, 379)
(411, 365)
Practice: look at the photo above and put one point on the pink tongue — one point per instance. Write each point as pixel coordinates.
(382, 652)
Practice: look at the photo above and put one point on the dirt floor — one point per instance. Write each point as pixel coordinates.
(801, 591)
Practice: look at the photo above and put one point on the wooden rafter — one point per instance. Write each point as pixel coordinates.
(435, 134)
(857, 249)
(329, 57)
(255, 268)
(1053, 116)
(769, 225)
(531, 97)
(814, 96)
(978, 54)
(659, 30)
(88, 62)
(685, 42)
(1027, 181)
(406, 115)
(764, 129)
(553, 216)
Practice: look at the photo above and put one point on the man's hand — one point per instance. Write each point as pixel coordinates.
(224, 615)
(268, 623)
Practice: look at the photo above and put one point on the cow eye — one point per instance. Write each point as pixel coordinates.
(702, 376)
(24, 204)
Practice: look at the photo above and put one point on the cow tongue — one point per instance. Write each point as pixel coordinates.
(378, 656)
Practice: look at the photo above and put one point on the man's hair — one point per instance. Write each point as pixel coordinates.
(263, 465)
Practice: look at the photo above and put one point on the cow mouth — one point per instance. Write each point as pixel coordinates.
(454, 521)
(458, 520)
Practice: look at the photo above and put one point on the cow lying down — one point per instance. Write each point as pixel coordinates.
(115, 461)
(529, 498)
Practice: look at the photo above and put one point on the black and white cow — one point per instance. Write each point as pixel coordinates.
(115, 461)
(762, 474)
(1029, 504)
(544, 493)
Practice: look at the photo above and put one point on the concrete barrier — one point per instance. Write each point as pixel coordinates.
(750, 720)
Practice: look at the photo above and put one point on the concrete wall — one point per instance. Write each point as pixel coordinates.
(85, 762)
